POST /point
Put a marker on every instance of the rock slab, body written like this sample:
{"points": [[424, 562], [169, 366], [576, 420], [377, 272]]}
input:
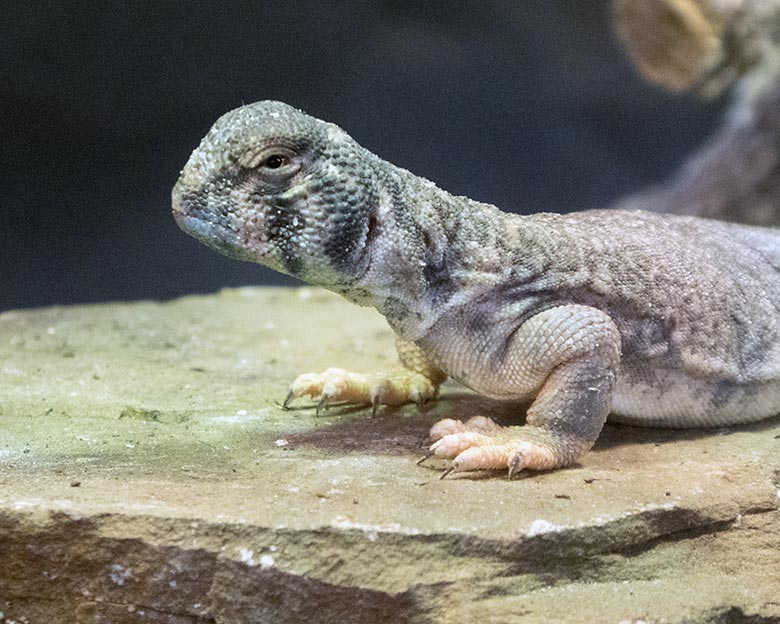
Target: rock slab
{"points": [[149, 474]]}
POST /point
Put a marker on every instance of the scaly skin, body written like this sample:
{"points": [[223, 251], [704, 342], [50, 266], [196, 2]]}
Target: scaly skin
{"points": [[660, 320]]}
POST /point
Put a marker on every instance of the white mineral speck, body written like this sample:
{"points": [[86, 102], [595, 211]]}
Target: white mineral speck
{"points": [[266, 561], [281, 442], [540, 526], [247, 556], [241, 413]]}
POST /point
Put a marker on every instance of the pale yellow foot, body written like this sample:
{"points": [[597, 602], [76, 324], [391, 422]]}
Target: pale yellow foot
{"points": [[339, 385], [481, 444]]}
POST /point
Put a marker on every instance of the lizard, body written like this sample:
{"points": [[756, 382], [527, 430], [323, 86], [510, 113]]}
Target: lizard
{"points": [[651, 319]]}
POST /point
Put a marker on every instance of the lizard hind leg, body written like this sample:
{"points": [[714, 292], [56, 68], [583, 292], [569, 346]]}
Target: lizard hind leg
{"points": [[576, 379]]}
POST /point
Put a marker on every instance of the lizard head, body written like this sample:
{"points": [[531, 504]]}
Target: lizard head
{"points": [[272, 185]]}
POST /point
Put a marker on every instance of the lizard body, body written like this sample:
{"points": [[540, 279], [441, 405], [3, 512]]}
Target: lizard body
{"points": [[657, 319]]}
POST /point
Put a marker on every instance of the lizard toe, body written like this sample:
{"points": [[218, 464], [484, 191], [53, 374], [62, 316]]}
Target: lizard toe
{"points": [[488, 457], [454, 444], [338, 385], [448, 426]]}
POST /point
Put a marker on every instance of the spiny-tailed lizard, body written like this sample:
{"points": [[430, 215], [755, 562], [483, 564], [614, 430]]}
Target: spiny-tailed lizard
{"points": [[656, 320]]}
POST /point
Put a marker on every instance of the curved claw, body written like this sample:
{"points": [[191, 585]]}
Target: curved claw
{"points": [[286, 403], [516, 465], [446, 472], [428, 455]]}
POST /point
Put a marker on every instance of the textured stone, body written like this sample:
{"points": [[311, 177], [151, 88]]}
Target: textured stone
{"points": [[149, 475]]}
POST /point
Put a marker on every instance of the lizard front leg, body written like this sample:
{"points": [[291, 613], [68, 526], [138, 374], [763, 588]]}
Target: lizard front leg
{"points": [[416, 380], [567, 358]]}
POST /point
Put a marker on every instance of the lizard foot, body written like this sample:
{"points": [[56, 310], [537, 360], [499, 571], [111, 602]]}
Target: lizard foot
{"points": [[481, 444], [336, 384]]}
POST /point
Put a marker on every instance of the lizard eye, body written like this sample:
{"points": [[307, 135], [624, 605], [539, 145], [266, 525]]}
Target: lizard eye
{"points": [[274, 161]]}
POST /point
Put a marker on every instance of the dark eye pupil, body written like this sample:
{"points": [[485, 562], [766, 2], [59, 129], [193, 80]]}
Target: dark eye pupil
{"points": [[274, 161]]}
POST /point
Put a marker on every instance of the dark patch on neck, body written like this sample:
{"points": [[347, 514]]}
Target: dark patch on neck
{"points": [[350, 222], [343, 237], [437, 272], [282, 223]]}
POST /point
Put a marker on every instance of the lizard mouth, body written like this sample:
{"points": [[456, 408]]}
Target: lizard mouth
{"points": [[210, 234], [211, 229]]}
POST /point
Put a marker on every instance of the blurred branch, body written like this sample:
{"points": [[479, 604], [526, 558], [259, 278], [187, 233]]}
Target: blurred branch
{"points": [[707, 46]]}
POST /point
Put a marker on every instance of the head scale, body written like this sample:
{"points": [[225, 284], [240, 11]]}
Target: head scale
{"points": [[273, 185]]}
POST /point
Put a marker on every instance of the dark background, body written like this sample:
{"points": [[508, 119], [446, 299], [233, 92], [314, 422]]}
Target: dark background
{"points": [[528, 104]]}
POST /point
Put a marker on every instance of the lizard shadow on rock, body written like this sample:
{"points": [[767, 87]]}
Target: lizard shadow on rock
{"points": [[618, 434], [399, 430], [404, 430]]}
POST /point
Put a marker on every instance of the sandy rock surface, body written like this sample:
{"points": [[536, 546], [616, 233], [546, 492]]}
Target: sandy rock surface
{"points": [[149, 474]]}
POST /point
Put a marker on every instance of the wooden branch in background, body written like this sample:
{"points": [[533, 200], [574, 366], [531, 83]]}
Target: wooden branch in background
{"points": [[708, 46]]}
